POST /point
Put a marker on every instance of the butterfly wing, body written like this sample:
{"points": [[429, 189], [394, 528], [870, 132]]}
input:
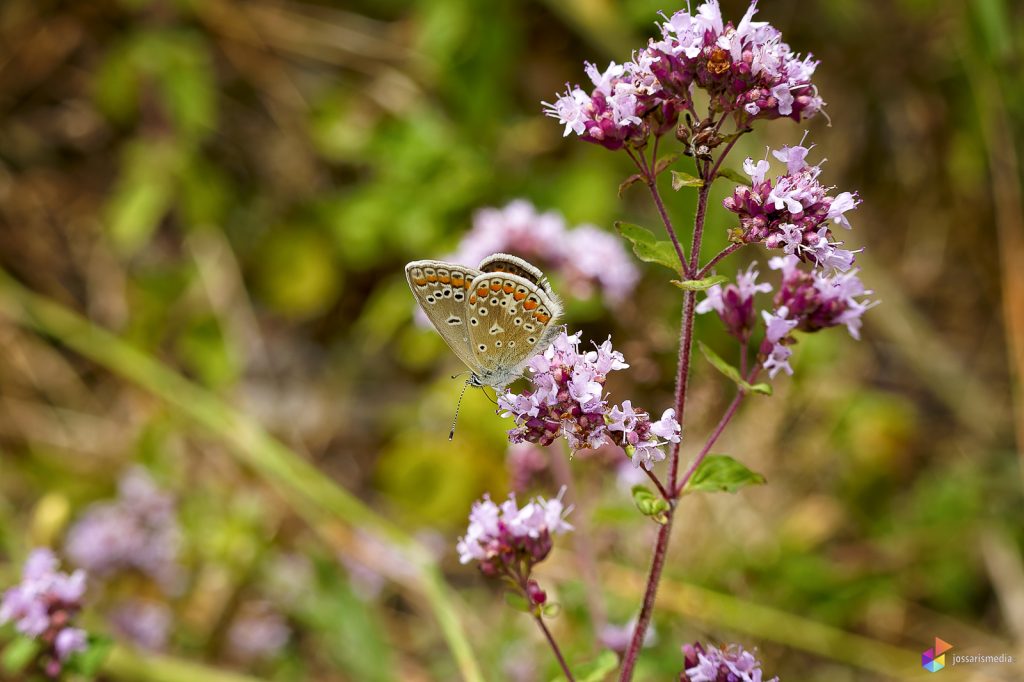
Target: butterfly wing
{"points": [[442, 290], [503, 262], [511, 318]]}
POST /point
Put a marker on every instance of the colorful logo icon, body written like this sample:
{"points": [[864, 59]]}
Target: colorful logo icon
{"points": [[934, 660]]}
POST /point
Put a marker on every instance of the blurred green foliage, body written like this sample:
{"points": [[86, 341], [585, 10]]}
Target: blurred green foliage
{"points": [[235, 187]]}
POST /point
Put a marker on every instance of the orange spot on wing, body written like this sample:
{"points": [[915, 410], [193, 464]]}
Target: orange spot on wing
{"points": [[542, 318], [495, 286], [472, 299], [481, 291], [420, 282], [469, 285], [529, 305], [508, 288], [457, 280], [519, 295], [431, 278], [446, 280]]}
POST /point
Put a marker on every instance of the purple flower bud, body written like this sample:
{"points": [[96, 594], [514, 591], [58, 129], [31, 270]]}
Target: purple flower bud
{"points": [[68, 641], [537, 596], [734, 303]]}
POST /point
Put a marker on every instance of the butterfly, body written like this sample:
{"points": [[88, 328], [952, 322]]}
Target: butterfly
{"points": [[495, 318]]}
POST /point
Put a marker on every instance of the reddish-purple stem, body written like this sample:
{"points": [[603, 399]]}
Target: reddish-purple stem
{"points": [[722, 423], [648, 171], [707, 173], [554, 648], [657, 483], [661, 545], [706, 270], [721, 157]]}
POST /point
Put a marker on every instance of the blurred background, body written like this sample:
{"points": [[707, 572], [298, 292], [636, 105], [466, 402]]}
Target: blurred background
{"points": [[232, 190]]}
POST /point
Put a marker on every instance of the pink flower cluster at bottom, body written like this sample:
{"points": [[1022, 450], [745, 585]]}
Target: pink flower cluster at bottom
{"points": [[504, 537], [43, 605], [710, 664]]}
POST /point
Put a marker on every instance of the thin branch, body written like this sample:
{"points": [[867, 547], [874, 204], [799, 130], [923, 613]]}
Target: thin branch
{"points": [[651, 180], [650, 593], [658, 484], [554, 648], [722, 423], [706, 270], [721, 157]]}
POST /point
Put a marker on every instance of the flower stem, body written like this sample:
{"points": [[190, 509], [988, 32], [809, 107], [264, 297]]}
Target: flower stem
{"points": [[722, 423], [682, 377], [651, 591], [554, 648], [649, 173], [690, 268], [658, 484], [706, 270]]}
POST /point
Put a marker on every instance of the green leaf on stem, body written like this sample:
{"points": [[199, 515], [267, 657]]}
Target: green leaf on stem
{"points": [[680, 180], [735, 176], [722, 473], [18, 654], [732, 373], [551, 609], [700, 284], [647, 248], [650, 504], [598, 669], [518, 602], [629, 182]]}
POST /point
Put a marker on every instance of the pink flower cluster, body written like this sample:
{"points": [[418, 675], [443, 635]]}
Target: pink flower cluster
{"points": [[711, 664], [138, 531], [43, 605], [506, 538], [794, 212], [809, 302], [614, 112], [584, 256], [734, 303], [568, 400], [746, 70]]}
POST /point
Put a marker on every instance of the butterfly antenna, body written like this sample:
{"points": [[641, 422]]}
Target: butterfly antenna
{"points": [[458, 406]]}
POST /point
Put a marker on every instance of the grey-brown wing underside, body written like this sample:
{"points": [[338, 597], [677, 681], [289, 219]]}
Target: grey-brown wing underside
{"points": [[442, 290], [511, 319]]}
